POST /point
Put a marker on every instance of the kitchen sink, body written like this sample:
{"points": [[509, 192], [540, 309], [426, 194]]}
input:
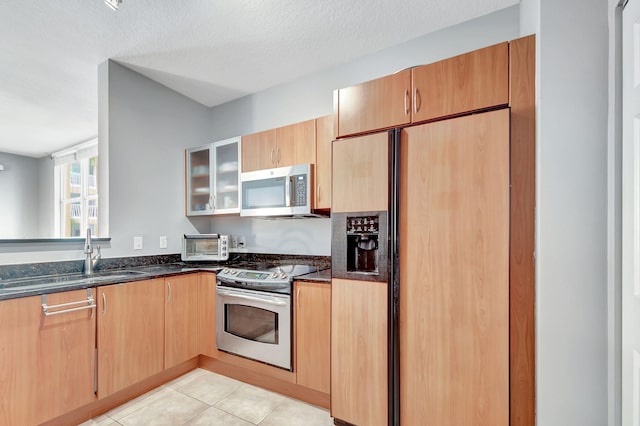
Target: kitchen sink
{"points": [[63, 280]]}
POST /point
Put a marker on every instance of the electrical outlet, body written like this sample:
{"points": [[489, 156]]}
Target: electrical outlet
{"points": [[137, 243], [163, 241]]}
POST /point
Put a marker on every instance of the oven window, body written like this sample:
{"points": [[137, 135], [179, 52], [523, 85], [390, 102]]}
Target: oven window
{"points": [[258, 325]]}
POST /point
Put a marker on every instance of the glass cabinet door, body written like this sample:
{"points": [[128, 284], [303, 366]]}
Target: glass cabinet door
{"points": [[199, 194], [227, 176], [213, 178]]}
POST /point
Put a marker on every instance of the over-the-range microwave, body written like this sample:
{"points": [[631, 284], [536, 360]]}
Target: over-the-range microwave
{"points": [[205, 247], [283, 191]]}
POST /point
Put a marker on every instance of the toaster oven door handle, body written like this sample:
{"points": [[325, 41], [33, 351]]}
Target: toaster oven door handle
{"points": [[268, 300]]}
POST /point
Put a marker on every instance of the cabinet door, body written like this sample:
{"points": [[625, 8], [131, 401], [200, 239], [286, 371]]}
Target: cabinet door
{"points": [[468, 82], [46, 362], [199, 177], [181, 319], [207, 315], [359, 385], [324, 137], [226, 156], [19, 324], [259, 151], [313, 335], [66, 354], [454, 285], [296, 144], [360, 173], [130, 334], [378, 104]]}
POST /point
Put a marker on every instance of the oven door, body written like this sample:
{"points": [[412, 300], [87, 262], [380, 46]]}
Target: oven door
{"points": [[254, 324]]}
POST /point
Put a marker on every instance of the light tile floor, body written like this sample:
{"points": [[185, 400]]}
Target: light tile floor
{"points": [[204, 398]]}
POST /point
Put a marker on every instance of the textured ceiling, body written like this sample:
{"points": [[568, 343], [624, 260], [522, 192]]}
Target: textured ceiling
{"points": [[209, 50]]}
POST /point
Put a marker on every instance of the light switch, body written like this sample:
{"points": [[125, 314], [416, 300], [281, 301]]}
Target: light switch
{"points": [[163, 241], [137, 243]]}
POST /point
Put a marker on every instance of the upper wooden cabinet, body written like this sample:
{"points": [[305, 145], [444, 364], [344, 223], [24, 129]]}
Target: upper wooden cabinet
{"points": [[469, 82], [284, 146], [259, 150], [377, 104], [296, 144], [324, 137], [181, 319], [360, 174]]}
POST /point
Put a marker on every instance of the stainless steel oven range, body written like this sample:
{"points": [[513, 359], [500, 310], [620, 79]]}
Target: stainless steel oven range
{"points": [[254, 312]]}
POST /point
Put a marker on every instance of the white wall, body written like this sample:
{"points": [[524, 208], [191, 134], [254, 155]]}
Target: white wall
{"points": [[149, 127], [571, 216], [19, 188]]}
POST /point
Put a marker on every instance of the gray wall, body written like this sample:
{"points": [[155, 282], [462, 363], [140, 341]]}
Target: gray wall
{"points": [[46, 197], [312, 96], [19, 197], [149, 127], [571, 222]]}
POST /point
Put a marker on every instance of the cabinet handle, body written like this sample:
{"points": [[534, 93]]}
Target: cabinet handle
{"points": [[169, 287], [416, 97], [277, 155], [89, 301], [104, 304], [298, 298], [271, 156], [406, 102]]}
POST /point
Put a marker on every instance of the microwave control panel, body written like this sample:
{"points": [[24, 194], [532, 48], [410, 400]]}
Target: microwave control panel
{"points": [[300, 190]]}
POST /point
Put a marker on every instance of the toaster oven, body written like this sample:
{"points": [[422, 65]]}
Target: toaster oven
{"points": [[205, 247]]}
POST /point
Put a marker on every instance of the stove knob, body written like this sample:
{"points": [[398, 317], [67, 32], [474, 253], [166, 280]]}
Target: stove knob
{"points": [[283, 275], [233, 272], [225, 271], [274, 275]]}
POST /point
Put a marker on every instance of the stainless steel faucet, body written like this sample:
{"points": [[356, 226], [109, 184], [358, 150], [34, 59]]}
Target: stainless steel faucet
{"points": [[90, 261]]}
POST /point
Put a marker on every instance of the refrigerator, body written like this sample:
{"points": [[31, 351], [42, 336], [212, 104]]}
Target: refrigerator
{"points": [[420, 274]]}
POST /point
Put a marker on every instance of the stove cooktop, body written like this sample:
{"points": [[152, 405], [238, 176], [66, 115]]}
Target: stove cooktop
{"points": [[268, 278]]}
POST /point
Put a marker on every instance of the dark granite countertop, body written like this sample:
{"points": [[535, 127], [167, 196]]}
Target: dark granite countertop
{"points": [[322, 276], [31, 280]]}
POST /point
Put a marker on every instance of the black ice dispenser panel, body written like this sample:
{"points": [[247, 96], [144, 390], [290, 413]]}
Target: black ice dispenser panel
{"points": [[362, 243], [359, 246]]}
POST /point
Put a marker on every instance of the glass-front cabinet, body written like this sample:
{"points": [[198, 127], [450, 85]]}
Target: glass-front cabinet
{"points": [[213, 178]]}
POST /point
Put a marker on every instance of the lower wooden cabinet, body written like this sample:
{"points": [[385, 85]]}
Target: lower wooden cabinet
{"points": [[130, 334], [181, 319], [46, 362], [207, 314], [359, 384], [312, 322]]}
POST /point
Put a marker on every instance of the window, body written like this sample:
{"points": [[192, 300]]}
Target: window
{"points": [[76, 177]]}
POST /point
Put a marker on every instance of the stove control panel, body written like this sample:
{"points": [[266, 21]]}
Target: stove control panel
{"points": [[253, 276]]}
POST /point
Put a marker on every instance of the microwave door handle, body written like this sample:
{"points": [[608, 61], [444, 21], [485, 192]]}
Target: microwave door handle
{"points": [[270, 301], [287, 190]]}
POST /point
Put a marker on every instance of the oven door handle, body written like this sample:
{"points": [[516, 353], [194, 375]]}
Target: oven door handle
{"points": [[268, 300]]}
